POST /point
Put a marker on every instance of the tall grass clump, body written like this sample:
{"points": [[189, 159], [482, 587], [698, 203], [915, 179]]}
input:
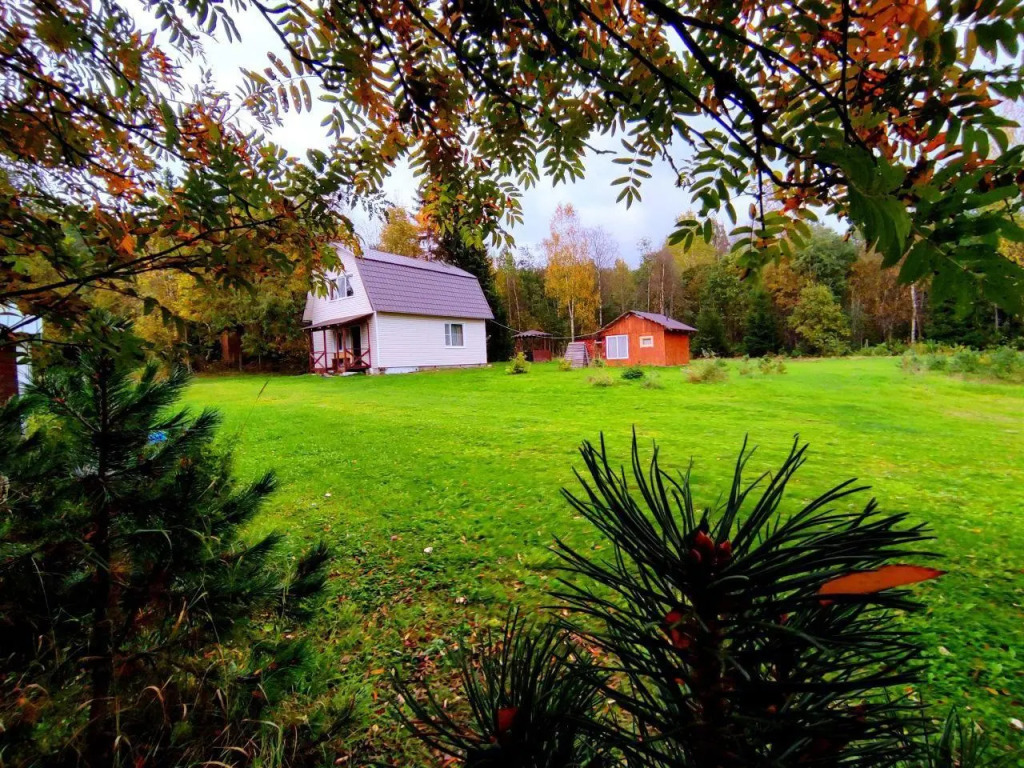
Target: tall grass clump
{"points": [[770, 365], [708, 370], [653, 381]]}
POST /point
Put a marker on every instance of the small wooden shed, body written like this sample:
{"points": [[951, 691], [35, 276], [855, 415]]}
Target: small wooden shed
{"points": [[538, 346], [644, 338]]}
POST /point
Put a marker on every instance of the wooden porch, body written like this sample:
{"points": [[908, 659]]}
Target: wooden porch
{"points": [[349, 354]]}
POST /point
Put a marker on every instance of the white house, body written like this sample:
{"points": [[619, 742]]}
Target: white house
{"points": [[15, 330], [393, 314]]}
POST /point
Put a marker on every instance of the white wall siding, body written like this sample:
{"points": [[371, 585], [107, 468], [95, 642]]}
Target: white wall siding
{"points": [[321, 309], [414, 341]]}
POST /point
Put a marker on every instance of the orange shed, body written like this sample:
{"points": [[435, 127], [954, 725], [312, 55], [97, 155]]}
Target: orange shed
{"points": [[645, 338]]}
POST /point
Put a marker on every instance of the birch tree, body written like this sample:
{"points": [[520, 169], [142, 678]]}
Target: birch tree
{"points": [[570, 277]]}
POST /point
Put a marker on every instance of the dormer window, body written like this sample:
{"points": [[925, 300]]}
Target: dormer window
{"points": [[340, 287]]}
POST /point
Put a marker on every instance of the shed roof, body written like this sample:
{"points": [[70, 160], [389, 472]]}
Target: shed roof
{"points": [[665, 321], [533, 334], [409, 286]]}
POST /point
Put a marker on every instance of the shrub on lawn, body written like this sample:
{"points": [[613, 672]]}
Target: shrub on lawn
{"points": [[745, 367], [601, 380], [632, 373], [890, 348], [518, 365], [564, 364], [707, 371], [1001, 363], [1005, 363], [736, 635], [964, 360]]}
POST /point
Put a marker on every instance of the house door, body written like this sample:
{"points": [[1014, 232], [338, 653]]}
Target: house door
{"points": [[355, 337]]}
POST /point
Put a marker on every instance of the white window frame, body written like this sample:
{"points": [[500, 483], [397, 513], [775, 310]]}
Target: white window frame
{"points": [[646, 342], [335, 291], [449, 336], [618, 342]]}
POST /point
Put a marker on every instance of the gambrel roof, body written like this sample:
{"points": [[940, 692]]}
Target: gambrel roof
{"points": [[407, 286]]}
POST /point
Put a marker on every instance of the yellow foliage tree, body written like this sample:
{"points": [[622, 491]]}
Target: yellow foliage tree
{"points": [[570, 277], [401, 234]]}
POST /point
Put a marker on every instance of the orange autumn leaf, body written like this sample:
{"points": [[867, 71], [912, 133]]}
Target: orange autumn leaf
{"points": [[935, 143], [119, 185], [886, 577], [127, 244]]}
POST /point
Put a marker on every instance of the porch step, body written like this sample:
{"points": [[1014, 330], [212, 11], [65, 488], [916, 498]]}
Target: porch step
{"points": [[576, 354]]}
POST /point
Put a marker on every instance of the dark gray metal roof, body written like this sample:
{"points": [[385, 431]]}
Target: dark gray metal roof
{"points": [[663, 320], [409, 286]]}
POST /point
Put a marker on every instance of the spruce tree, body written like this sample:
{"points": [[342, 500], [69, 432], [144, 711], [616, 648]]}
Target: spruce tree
{"points": [[711, 336], [762, 329], [127, 594]]}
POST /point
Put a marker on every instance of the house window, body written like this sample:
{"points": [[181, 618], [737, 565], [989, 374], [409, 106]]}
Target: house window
{"points": [[340, 287], [646, 341], [453, 335], [616, 347]]}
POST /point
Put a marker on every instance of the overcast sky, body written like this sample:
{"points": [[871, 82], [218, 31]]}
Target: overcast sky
{"points": [[593, 198]]}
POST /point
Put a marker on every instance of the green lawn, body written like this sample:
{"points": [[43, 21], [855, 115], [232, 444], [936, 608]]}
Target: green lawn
{"points": [[468, 464]]}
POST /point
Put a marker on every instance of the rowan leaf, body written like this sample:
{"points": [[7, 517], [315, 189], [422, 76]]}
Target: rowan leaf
{"points": [[878, 580]]}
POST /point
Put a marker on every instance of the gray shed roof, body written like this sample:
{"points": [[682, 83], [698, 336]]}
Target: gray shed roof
{"points": [[663, 320], [408, 286]]}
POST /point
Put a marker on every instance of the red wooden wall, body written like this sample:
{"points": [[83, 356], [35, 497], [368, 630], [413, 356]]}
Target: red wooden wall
{"points": [[8, 372], [670, 347]]}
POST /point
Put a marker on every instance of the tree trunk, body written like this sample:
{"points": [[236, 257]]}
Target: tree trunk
{"points": [[100, 736], [913, 314], [100, 733], [662, 310], [572, 323]]}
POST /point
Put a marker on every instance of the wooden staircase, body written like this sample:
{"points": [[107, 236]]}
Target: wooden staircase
{"points": [[576, 354]]}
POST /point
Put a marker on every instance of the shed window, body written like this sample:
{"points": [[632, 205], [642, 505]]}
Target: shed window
{"points": [[341, 287], [616, 347], [453, 335], [646, 341]]}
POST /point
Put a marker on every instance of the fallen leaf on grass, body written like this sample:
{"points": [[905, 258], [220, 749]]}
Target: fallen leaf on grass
{"points": [[886, 577]]}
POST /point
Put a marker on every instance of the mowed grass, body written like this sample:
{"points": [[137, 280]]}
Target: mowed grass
{"points": [[439, 493]]}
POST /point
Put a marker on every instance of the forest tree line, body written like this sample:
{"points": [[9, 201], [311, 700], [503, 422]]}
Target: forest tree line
{"points": [[831, 297]]}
